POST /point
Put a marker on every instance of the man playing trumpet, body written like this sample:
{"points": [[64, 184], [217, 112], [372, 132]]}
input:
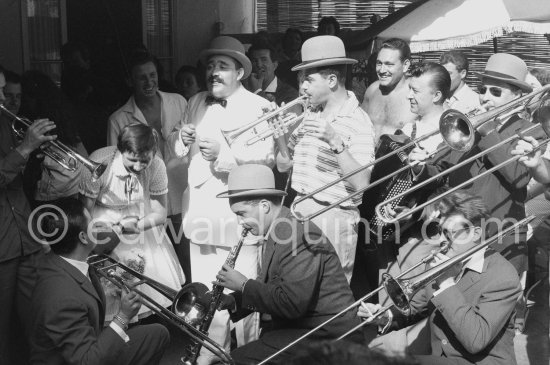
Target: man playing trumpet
{"points": [[335, 138], [470, 309]]}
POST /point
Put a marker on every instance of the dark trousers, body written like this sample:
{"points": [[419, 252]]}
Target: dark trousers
{"points": [[146, 346], [174, 230], [17, 279]]}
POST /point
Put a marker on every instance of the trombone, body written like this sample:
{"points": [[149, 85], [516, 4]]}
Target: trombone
{"points": [[443, 249], [401, 291], [57, 151], [288, 119], [121, 276], [458, 132]]}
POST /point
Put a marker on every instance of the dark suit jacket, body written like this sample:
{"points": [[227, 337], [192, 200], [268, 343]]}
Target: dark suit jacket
{"points": [[301, 284], [15, 239], [283, 94], [471, 321], [68, 313]]}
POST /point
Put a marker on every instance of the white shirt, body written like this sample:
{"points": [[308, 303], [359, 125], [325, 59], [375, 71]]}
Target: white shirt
{"points": [[272, 87], [423, 128], [464, 99], [474, 263], [173, 111], [207, 219], [83, 266]]}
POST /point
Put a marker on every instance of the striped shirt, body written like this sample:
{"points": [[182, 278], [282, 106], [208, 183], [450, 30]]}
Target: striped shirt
{"points": [[315, 165]]}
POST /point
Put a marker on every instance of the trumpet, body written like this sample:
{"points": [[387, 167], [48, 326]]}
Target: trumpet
{"points": [[401, 291], [459, 133], [57, 151], [287, 119], [120, 275]]}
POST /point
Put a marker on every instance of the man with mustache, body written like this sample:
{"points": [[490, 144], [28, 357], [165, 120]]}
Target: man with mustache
{"points": [[385, 100], [161, 111], [208, 222]]}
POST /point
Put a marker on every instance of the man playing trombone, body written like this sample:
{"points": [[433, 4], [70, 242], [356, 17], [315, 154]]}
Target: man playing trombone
{"points": [[68, 302], [335, 138], [470, 309], [504, 191]]}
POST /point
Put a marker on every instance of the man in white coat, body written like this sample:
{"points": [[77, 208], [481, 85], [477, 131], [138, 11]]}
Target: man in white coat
{"points": [[208, 222]]}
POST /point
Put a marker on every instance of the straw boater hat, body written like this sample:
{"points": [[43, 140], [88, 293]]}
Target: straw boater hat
{"points": [[251, 180], [323, 50], [228, 46], [508, 68]]}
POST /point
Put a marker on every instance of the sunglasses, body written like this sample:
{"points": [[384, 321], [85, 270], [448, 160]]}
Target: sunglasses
{"points": [[451, 235], [495, 91]]}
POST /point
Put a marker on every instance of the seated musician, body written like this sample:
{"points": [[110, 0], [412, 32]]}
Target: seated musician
{"points": [[301, 283], [68, 303], [470, 307]]}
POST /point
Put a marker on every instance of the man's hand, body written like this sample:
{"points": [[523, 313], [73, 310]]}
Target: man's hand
{"points": [[230, 278], [526, 146], [256, 81], [367, 312], [320, 128], [418, 157], [188, 134], [210, 148], [447, 278], [36, 136], [130, 302]]}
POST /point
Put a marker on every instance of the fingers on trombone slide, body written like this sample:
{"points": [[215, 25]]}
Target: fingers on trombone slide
{"points": [[369, 312]]}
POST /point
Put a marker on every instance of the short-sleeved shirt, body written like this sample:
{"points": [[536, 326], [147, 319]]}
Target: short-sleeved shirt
{"points": [[110, 190], [464, 100], [315, 165]]}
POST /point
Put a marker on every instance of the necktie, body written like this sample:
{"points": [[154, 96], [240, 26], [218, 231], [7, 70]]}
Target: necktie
{"points": [[210, 100]]}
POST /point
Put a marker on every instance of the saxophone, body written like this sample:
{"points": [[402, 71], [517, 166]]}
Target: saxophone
{"points": [[209, 309]]}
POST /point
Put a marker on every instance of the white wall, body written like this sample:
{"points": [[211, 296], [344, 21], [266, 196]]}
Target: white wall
{"points": [[197, 22]]}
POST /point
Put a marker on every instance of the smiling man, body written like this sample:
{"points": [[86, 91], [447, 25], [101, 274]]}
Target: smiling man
{"points": [[208, 222], [301, 283], [504, 191], [162, 112], [384, 100]]}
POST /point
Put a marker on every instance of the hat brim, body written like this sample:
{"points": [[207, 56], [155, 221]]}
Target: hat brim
{"points": [[243, 60], [521, 84], [324, 62], [255, 192]]}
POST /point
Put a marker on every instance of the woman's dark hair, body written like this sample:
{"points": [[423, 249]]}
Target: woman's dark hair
{"points": [[42, 98], [64, 223], [138, 139], [200, 78], [325, 21]]}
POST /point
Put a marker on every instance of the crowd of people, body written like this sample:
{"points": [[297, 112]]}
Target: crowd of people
{"points": [[182, 182]]}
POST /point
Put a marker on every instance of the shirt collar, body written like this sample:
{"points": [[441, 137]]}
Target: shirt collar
{"points": [[272, 87], [81, 266], [476, 261], [118, 166], [233, 97]]}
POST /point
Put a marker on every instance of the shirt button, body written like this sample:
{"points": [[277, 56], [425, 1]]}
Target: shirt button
{"points": [[444, 342]]}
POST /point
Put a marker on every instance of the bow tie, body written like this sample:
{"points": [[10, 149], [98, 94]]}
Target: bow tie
{"points": [[210, 100]]}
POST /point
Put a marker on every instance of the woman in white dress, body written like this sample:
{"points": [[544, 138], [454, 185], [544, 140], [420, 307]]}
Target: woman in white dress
{"points": [[131, 196]]}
